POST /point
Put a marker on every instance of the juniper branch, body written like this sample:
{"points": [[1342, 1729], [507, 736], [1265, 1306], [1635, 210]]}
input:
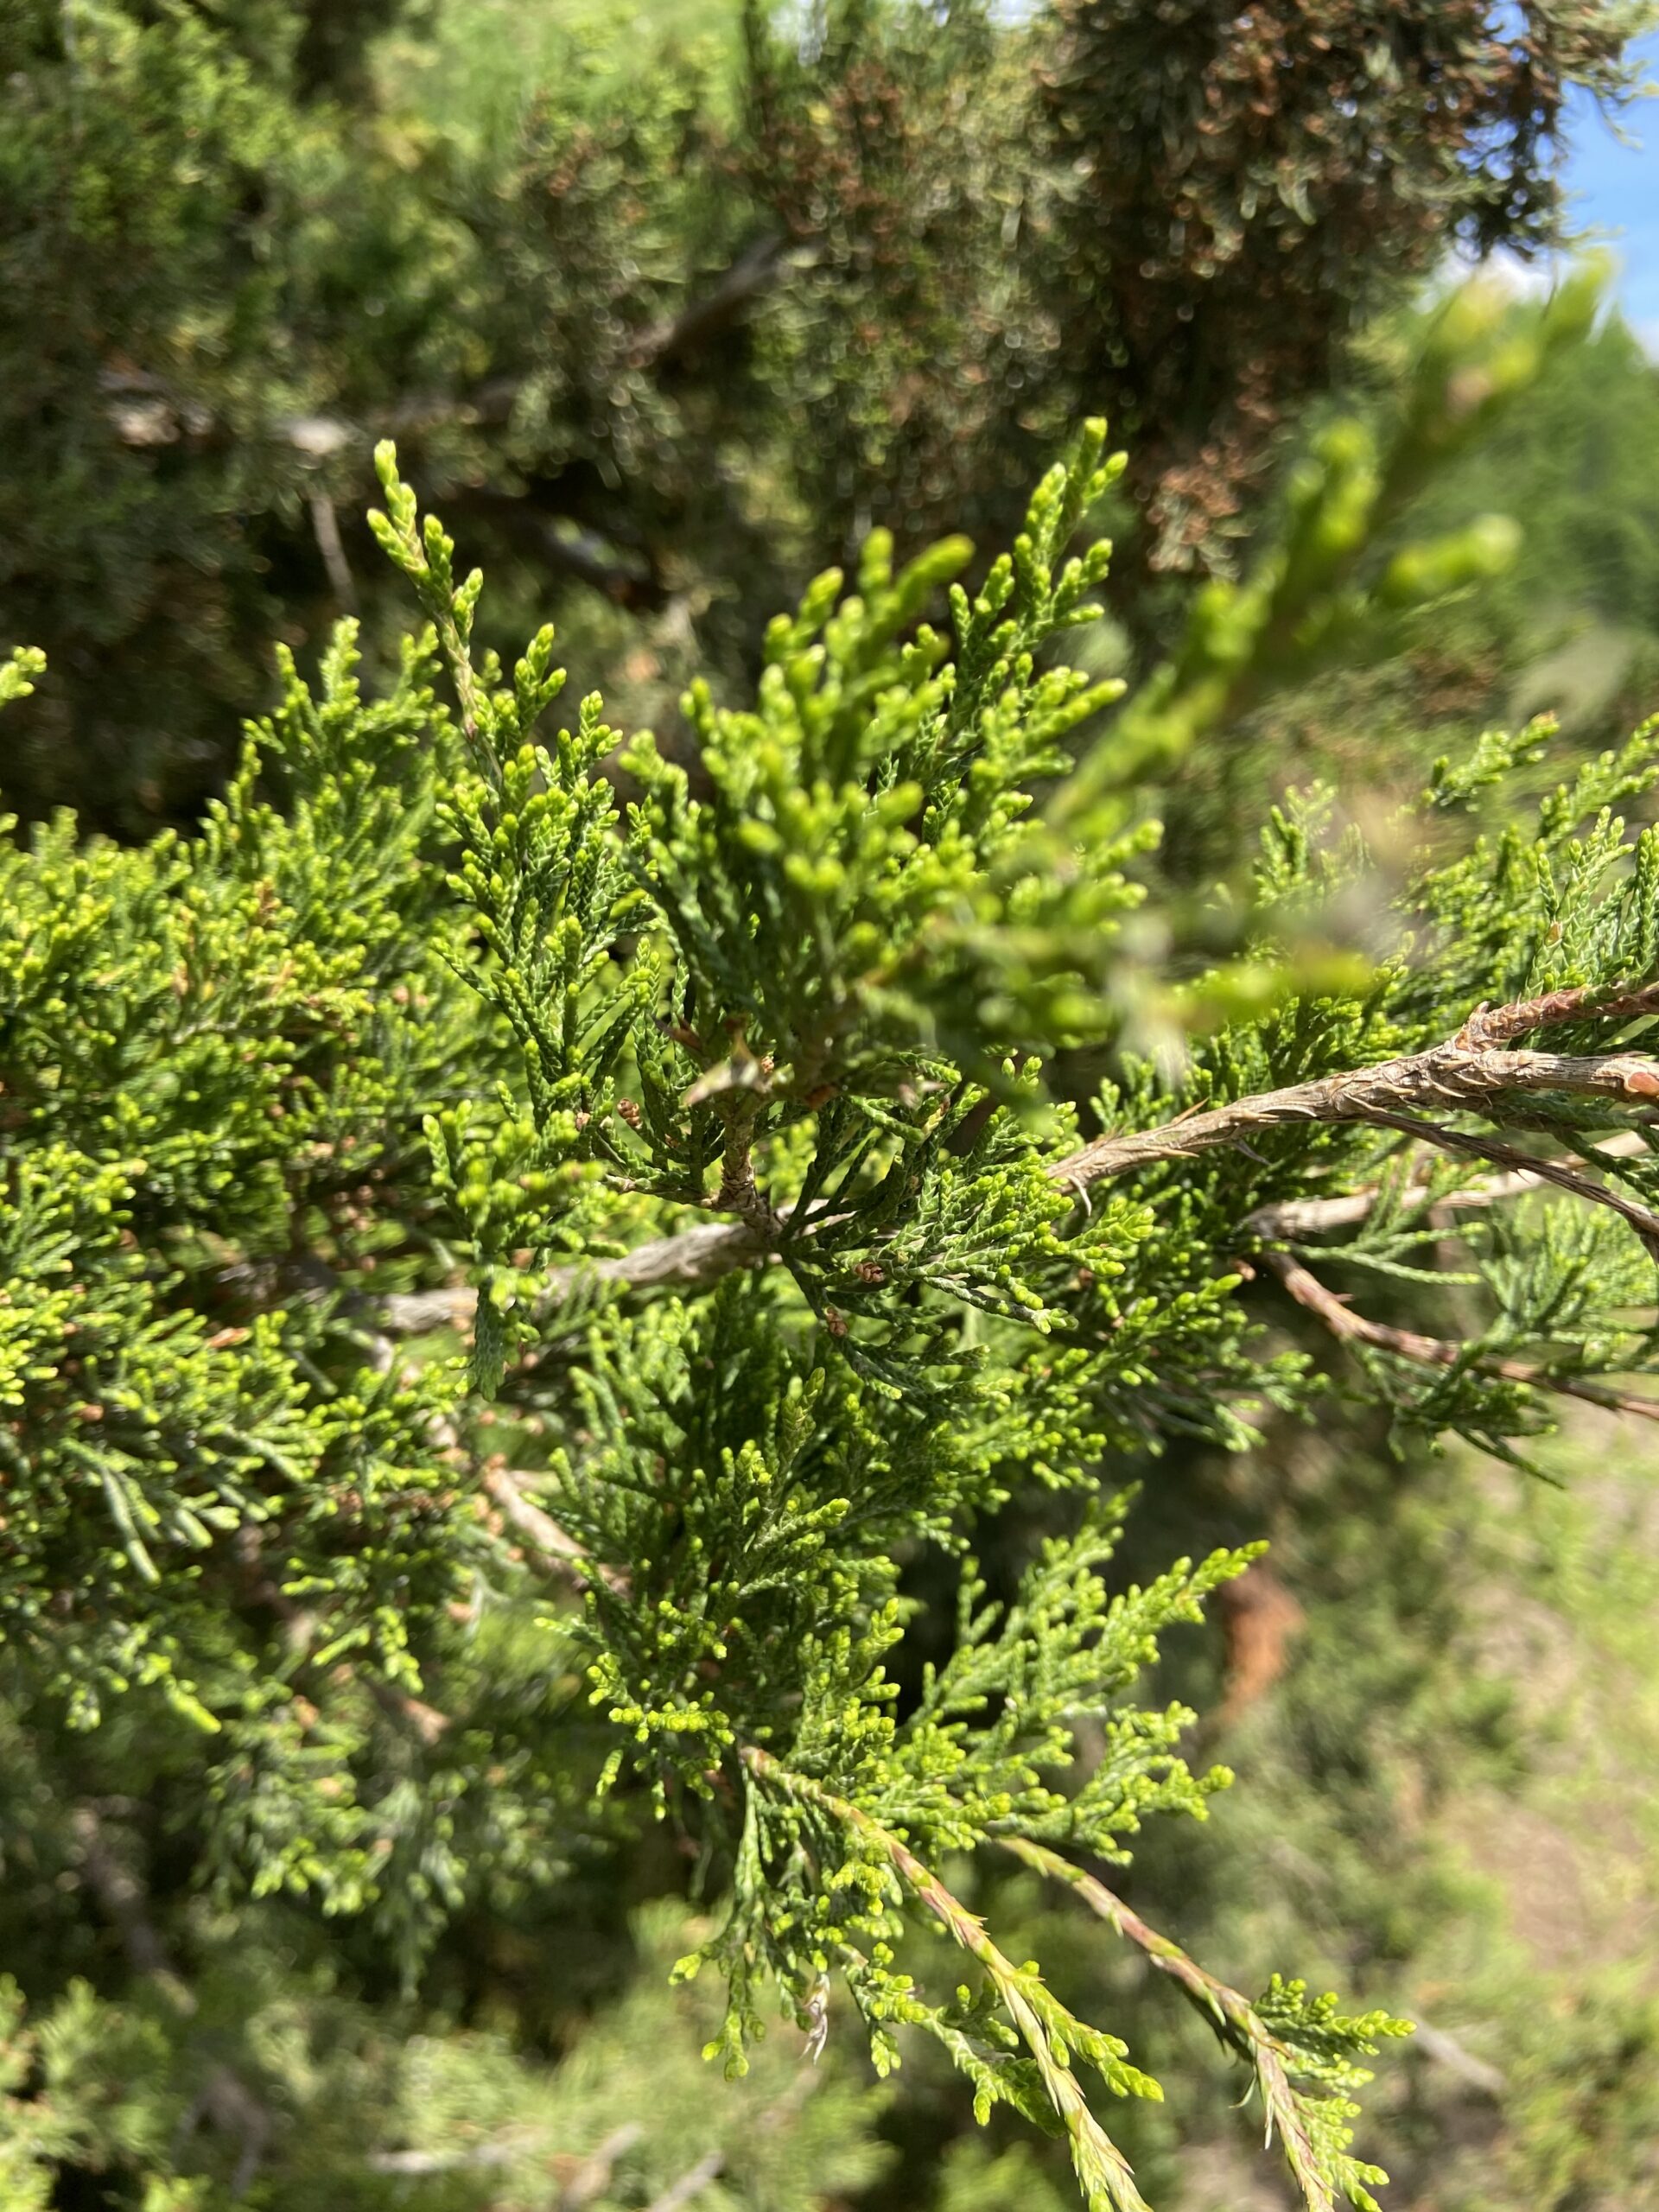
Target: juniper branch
{"points": [[591, 2177], [1457, 1077], [1465, 1075], [417, 2164], [1641, 1218], [1296, 1219], [1502, 1025], [691, 2184], [695, 1260], [1292, 1219]]}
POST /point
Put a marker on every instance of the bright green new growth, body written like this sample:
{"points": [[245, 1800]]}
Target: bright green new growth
{"points": [[815, 918], [740, 1108]]}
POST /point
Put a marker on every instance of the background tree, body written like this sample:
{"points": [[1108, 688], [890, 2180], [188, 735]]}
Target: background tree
{"points": [[1240, 189], [668, 331]]}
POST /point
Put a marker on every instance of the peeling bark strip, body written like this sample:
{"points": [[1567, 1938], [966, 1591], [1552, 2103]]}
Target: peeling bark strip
{"points": [[1465, 1075], [1453, 1077], [1473, 1072]]}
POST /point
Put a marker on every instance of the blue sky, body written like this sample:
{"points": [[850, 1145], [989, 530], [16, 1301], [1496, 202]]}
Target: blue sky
{"points": [[1617, 189]]}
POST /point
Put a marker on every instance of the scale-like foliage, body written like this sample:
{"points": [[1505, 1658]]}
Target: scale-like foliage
{"points": [[786, 1265]]}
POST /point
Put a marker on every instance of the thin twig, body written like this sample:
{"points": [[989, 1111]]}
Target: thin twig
{"points": [[325, 524], [416, 2162], [695, 1260], [593, 2176], [556, 1551], [1232, 2016], [1093, 2151], [691, 2184], [1437, 1351], [590, 2175], [1292, 1219], [755, 271], [1641, 1218], [1445, 2049]]}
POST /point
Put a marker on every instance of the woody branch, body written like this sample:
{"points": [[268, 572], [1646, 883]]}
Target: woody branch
{"points": [[1477, 1072]]}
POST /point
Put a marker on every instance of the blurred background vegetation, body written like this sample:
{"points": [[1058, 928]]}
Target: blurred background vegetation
{"points": [[668, 303]]}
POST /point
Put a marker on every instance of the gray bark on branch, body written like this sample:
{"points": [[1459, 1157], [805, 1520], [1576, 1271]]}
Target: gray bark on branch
{"points": [[1455, 1077], [695, 1260]]}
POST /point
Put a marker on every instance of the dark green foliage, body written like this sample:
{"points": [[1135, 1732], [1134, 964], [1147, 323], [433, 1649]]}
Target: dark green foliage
{"points": [[1230, 218]]}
